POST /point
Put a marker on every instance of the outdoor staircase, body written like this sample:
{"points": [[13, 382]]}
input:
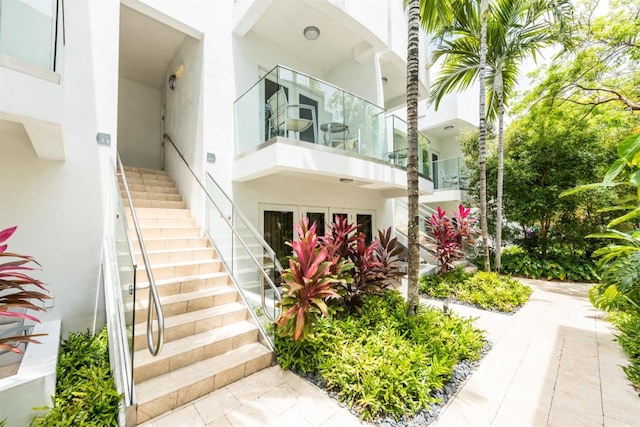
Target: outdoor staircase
{"points": [[210, 338]]}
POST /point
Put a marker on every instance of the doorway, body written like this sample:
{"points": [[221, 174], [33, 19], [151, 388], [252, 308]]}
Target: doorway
{"points": [[142, 85]]}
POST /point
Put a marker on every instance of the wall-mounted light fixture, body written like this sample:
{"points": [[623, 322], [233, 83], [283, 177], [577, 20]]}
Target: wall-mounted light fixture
{"points": [[311, 32], [384, 80], [346, 180], [448, 127], [176, 75]]}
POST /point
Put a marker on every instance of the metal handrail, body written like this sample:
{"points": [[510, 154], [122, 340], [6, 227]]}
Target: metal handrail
{"points": [[235, 232], [154, 348]]}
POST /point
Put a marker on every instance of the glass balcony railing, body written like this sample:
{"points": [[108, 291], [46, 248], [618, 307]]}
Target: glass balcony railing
{"points": [[28, 30], [397, 133], [245, 254], [289, 104], [450, 174]]}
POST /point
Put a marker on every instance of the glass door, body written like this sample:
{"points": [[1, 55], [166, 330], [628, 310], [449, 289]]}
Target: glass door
{"points": [[277, 229], [318, 215]]}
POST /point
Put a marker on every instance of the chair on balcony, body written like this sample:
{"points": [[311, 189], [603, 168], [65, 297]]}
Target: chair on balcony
{"points": [[449, 181], [286, 118]]}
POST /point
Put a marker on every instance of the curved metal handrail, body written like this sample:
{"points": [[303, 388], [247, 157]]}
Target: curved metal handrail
{"points": [[154, 299], [265, 275]]}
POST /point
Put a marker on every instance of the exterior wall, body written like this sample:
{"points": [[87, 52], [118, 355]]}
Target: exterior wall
{"points": [[139, 124], [59, 205], [279, 190]]}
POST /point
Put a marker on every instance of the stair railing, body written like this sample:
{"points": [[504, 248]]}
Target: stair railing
{"points": [[265, 276], [154, 299]]}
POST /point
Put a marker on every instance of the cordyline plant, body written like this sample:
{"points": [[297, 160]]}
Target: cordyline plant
{"points": [[15, 292], [308, 283], [451, 236], [375, 266]]}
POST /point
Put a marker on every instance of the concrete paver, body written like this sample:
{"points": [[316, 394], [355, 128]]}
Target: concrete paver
{"points": [[553, 363]]}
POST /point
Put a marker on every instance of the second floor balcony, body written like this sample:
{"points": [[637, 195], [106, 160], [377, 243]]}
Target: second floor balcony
{"points": [[291, 122]]}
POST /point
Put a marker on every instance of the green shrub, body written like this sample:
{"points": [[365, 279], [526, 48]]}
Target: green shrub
{"points": [[85, 392], [485, 290], [628, 323], [383, 362], [558, 264]]}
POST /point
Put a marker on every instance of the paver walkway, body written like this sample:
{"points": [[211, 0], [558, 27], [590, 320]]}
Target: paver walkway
{"points": [[553, 363]]}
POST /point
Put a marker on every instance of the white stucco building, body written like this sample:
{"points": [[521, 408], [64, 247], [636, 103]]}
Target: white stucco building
{"points": [[81, 81]]}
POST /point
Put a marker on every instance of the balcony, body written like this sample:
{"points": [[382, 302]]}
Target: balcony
{"points": [[451, 180], [289, 122]]}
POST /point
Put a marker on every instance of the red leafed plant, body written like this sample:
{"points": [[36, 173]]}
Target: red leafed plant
{"points": [[374, 267], [308, 283], [15, 294], [451, 235]]}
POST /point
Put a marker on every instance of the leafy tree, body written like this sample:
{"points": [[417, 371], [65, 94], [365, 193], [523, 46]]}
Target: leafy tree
{"points": [[603, 65], [549, 149]]}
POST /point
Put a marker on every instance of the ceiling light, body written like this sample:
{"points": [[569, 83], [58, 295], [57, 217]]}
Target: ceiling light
{"points": [[449, 127], [311, 32], [346, 180]]}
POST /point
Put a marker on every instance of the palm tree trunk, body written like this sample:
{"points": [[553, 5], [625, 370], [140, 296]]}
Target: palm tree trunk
{"points": [[413, 65], [484, 10], [500, 182]]}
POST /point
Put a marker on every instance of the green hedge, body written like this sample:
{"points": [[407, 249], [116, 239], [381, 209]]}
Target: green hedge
{"points": [[85, 392], [485, 290], [556, 265], [384, 363]]}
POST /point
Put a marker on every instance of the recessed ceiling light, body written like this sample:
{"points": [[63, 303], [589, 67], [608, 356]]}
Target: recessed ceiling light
{"points": [[311, 32], [346, 180], [449, 127]]}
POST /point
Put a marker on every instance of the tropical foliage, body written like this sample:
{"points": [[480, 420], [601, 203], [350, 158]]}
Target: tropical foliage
{"points": [[16, 291], [514, 30], [619, 261], [483, 289], [557, 265], [334, 272], [86, 394], [308, 283], [450, 235], [383, 362], [603, 65]]}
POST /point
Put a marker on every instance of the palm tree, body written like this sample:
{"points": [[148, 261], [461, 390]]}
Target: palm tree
{"points": [[515, 30], [413, 64], [438, 17]]}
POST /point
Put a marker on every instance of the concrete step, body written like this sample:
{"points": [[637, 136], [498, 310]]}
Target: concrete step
{"points": [[172, 243], [159, 212], [185, 351], [192, 323], [150, 195], [152, 188], [181, 303], [175, 222], [135, 169], [179, 269], [167, 204], [166, 232], [166, 392], [177, 285], [163, 256]]}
